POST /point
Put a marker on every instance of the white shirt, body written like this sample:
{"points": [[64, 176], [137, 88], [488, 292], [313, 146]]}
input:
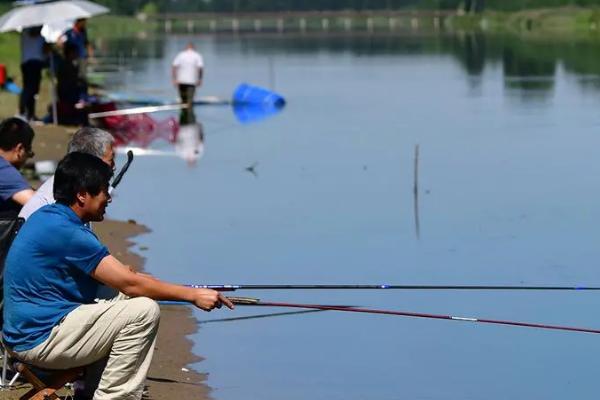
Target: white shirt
{"points": [[187, 64], [43, 196], [32, 47]]}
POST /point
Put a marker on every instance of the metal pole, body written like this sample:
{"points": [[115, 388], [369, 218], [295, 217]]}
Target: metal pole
{"points": [[53, 90]]}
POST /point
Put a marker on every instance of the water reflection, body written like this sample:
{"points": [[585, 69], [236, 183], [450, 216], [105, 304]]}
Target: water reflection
{"points": [[528, 75], [116, 59], [500, 198], [248, 113], [130, 48], [416, 194], [186, 137], [470, 49], [529, 64], [189, 142]]}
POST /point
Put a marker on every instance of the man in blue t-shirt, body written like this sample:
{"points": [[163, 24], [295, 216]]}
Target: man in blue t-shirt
{"points": [[77, 35], [53, 270], [16, 137]]}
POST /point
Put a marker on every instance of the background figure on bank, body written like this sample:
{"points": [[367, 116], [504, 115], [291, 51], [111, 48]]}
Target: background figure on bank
{"points": [[187, 71], [16, 138], [33, 60], [71, 87], [78, 38]]}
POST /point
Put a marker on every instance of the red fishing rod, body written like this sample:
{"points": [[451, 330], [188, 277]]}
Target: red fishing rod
{"points": [[248, 301]]}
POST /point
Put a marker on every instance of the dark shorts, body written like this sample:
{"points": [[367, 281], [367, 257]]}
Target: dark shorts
{"points": [[186, 93]]}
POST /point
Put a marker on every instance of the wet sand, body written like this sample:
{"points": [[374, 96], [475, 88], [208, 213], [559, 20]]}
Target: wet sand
{"points": [[170, 375]]}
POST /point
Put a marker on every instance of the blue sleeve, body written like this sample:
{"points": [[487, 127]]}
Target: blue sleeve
{"points": [[11, 182], [85, 251]]}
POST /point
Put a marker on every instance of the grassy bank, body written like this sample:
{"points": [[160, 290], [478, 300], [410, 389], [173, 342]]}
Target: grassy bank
{"points": [[100, 27], [10, 54]]}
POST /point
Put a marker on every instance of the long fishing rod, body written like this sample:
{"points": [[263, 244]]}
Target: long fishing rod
{"points": [[246, 301], [231, 288]]}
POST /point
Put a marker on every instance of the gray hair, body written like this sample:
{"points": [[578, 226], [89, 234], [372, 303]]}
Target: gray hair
{"points": [[92, 141]]}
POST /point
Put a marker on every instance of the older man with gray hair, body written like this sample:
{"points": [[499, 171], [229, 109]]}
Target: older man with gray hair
{"points": [[94, 141]]}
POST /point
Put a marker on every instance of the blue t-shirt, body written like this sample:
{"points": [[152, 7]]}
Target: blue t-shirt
{"points": [[79, 40], [11, 182], [47, 274]]}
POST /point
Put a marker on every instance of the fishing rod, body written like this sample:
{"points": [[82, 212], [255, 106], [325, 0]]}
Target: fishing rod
{"points": [[248, 301], [137, 110], [243, 301], [231, 288]]}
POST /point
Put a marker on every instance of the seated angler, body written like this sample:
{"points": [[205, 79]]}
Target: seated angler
{"points": [[16, 137], [94, 141], [53, 270]]}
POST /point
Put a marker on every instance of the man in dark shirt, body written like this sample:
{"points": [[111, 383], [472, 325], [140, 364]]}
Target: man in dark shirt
{"points": [[16, 137], [78, 38], [77, 35]]}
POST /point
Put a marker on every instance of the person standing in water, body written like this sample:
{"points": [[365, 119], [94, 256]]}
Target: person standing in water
{"points": [[187, 71]]}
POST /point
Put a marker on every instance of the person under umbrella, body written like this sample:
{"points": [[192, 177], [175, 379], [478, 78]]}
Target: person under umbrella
{"points": [[33, 59]]}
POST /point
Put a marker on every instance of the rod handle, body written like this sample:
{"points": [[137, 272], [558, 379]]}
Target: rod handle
{"points": [[244, 300]]}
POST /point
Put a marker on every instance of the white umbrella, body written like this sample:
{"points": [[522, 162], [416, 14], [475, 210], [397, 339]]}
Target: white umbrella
{"points": [[48, 12], [54, 30]]}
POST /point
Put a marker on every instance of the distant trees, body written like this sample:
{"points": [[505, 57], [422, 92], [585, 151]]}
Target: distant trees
{"points": [[469, 6], [132, 6]]}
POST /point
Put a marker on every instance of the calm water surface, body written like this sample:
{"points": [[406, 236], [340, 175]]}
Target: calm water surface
{"points": [[508, 133]]}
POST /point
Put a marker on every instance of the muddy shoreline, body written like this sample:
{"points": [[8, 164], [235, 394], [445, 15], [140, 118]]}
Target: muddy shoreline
{"points": [[170, 375]]}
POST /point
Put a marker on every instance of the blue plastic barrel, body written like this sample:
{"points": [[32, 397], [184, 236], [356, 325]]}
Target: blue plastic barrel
{"points": [[254, 95]]}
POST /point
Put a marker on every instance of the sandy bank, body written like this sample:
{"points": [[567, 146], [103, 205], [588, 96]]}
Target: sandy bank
{"points": [[166, 379]]}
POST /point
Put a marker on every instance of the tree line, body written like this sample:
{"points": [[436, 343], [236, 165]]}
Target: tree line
{"points": [[132, 7]]}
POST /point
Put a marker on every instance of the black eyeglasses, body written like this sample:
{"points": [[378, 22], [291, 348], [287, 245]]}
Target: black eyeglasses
{"points": [[30, 153]]}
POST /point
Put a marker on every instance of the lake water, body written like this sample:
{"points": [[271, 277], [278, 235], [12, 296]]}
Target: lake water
{"points": [[508, 131]]}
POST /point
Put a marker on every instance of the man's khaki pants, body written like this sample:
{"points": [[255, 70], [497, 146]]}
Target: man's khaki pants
{"points": [[118, 333]]}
